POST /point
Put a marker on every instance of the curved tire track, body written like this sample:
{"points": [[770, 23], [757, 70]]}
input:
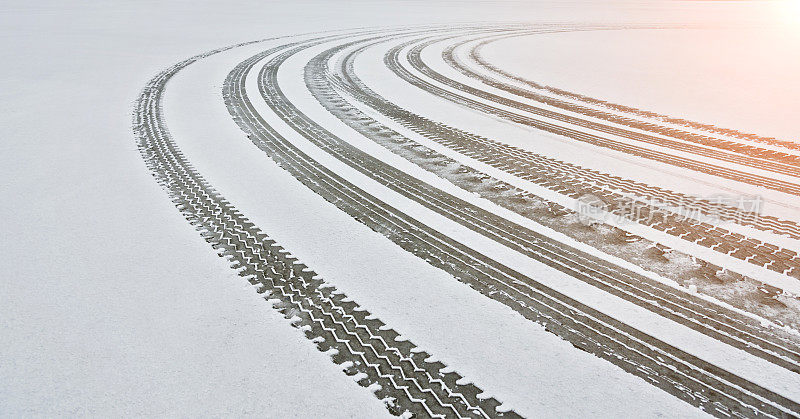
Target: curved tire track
{"points": [[593, 139], [576, 181], [476, 55], [692, 311], [361, 343], [678, 372]]}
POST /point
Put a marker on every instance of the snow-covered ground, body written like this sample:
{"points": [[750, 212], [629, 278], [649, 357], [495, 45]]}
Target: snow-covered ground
{"points": [[111, 304], [443, 316], [742, 77]]}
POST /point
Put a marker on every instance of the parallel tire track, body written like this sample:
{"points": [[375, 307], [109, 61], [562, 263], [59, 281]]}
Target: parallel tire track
{"points": [[576, 181], [692, 311], [680, 373], [394, 368], [597, 140], [475, 54], [781, 162], [764, 222]]}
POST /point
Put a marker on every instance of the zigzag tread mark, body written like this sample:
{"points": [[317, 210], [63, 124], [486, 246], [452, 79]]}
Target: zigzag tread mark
{"points": [[386, 364]]}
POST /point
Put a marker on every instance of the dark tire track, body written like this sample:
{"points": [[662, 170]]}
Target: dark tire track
{"points": [[475, 54], [686, 376], [573, 134], [576, 181], [692, 311], [355, 339]]}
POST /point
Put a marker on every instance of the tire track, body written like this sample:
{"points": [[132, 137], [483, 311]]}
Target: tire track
{"points": [[573, 134], [694, 312], [680, 373], [575, 181], [475, 54], [766, 223], [392, 367], [737, 147]]}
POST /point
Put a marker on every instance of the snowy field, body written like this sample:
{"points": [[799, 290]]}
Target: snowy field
{"points": [[425, 179], [666, 71]]}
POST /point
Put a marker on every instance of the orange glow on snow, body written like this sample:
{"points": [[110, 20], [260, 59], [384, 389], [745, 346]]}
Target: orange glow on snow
{"points": [[788, 12]]}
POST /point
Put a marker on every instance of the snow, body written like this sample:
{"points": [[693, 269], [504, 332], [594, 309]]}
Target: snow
{"points": [[432, 56], [112, 305], [444, 317], [754, 87], [381, 79], [369, 67], [776, 378], [462, 51], [110, 302]]}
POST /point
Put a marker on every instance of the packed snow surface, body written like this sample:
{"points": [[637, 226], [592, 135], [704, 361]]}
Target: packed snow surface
{"points": [[734, 77], [111, 304]]}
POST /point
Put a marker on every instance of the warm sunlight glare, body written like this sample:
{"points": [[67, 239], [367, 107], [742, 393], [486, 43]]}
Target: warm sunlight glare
{"points": [[788, 12]]}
